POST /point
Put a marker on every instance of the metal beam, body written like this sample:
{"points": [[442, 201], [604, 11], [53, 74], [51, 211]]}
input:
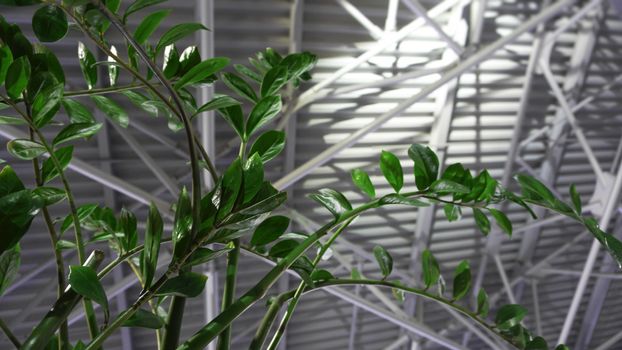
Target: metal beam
{"points": [[462, 67], [373, 29]]}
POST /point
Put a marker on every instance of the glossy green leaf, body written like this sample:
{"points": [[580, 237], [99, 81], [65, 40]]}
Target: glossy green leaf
{"points": [[144, 319], [202, 71], [384, 259], [113, 67], [362, 181], [49, 170], [535, 190], [128, 225], [253, 177], [268, 145], [16, 208], [230, 188], [46, 104], [50, 23], [426, 165], [282, 248], [297, 64], [218, 102], [332, 200], [576, 199], [462, 280], [178, 32], [9, 265], [87, 65], [240, 86], [392, 170], [264, 111], [265, 205], [148, 25], [182, 225], [247, 72], [76, 131], [431, 269], [139, 5], [49, 195], [452, 212], [482, 221], [562, 347], [235, 117], [83, 212], [509, 316], [84, 281], [187, 284], [482, 303], [537, 343], [171, 63], [6, 58], [502, 221], [483, 189], [25, 149], [112, 110], [17, 77], [395, 198], [153, 236], [189, 58], [321, 276], [274, 80], [444, 186], [270, 230], [203, 255], [77, 112], [12, 121]]}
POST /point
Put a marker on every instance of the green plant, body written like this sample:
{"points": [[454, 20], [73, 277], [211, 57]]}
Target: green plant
{"points": [[235, 214]]}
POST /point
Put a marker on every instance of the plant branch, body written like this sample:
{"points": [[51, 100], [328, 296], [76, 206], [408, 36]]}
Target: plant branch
{"points": [[9, 334], [229, 291]]}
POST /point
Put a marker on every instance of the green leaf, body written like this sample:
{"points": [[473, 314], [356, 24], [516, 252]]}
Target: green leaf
{"points": [[482, 303], [83, 212], [6, 58], [113, 67], [384, 259], [112, 110], [182, 225], [398, 294], [144, 319], [282, 248], [139, 5], [17, 77], [562, 347], [178, 32], [362, 181], [265, 205], [537, 343], [502, 221], [274, 80], [462, 280], [84, 281], [321, 276], [240, 86], [202, 71], [482, 221], [11, 121], [153, 236], [484, 187], [392, 170], [218, 102], [431, 270], [509, 316], [444, 186], [264, 111], [268, 145], [127, 224], [49, 195], [50, 23], [270, 230], [203, 255], [49, 170], [298, 64], [87, 65], [230, 188], [535, 190], [332, 200], [187, 284], [235, 117], [76, 131], [253, 177], [46, 104], [148, 25], [247, 72], [77, 112], [426, 165], [64, 245], [576, 199], [25, 149], [395, 198], [356, 274], [452, 212], [9, 265], [171, 61]]}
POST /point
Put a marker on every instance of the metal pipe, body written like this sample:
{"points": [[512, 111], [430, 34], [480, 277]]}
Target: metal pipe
{"points": [[416, 7], [536, 305], [504, 279], [464, 66], [373, 29]]}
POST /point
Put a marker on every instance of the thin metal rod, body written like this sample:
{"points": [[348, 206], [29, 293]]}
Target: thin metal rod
{"points": [[416, 7], [536, 305], [373, 29], [610, 342], [391, 22], [552, 271], [464, 66], [504, 279]]}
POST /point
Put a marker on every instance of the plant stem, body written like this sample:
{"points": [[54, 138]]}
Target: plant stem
{"points": [[266, 322], [293, 303], [9, 334], [173, 323], [229, 291]]}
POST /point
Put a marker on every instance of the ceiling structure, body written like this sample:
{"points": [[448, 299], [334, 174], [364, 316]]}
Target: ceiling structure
{"points": [[510, 86]]}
